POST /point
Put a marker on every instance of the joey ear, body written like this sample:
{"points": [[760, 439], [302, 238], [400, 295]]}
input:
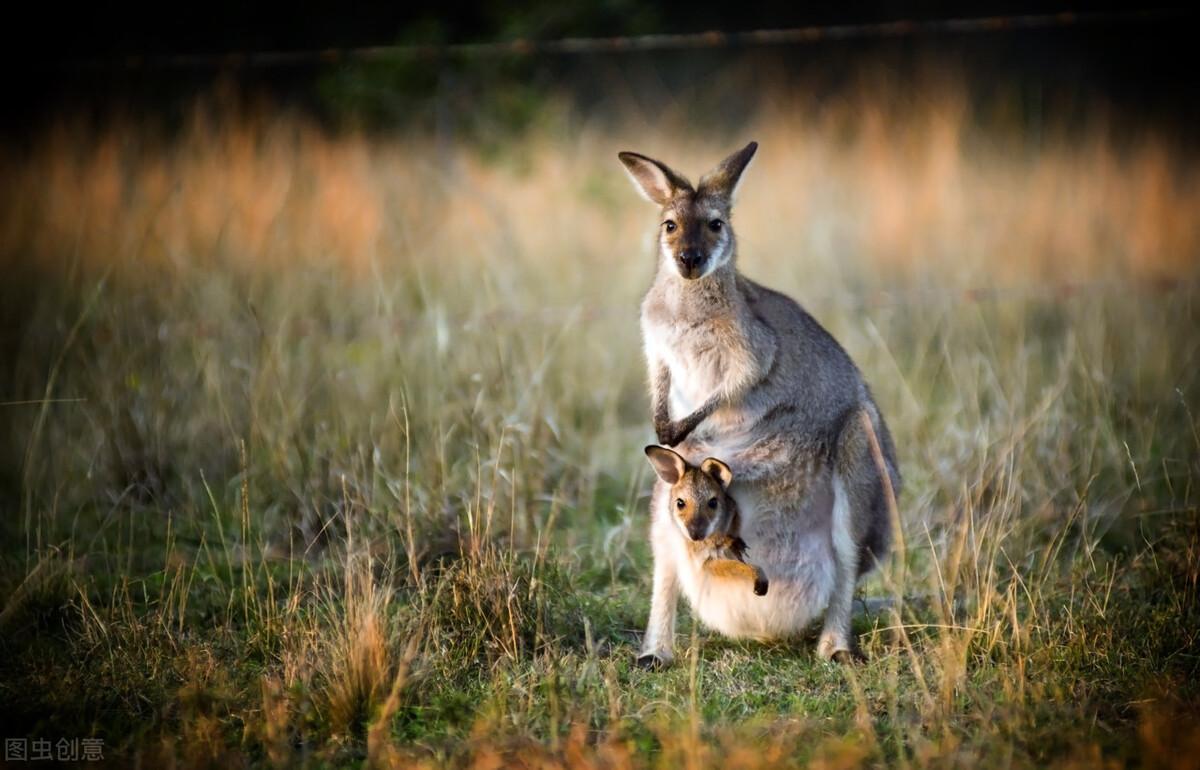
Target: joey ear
{"points": [[656, 181], [719, 471], [667, 464], [723, 180]]}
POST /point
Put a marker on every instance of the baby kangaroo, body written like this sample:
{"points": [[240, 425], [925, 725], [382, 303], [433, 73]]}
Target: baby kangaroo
{"points": [[707, 515]]}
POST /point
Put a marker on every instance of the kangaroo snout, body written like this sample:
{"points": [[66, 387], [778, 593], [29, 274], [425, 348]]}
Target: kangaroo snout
{"points": [[698, 531], [690, 262]]}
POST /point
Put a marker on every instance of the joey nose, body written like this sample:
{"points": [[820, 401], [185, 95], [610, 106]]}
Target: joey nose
{"points": [[690, 258], [697, 531]]}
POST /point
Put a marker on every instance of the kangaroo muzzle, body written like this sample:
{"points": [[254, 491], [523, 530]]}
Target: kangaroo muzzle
{"points": [[690, 263], [698, 531]]}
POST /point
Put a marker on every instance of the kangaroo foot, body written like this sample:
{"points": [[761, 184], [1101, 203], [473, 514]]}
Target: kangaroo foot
{"points": [[849, 657], [839, 648], [654, 661]]}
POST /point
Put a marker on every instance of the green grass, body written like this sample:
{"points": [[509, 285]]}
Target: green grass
{"points": [[313, 509]]}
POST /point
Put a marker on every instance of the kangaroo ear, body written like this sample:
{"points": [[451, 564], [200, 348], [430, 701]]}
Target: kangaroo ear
{"points": [[667, 464], [723, 180], [719, 471], [655, 180]]}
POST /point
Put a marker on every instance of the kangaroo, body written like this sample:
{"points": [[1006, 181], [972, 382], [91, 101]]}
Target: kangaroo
{"points": [[741, 372], [708, 516]]}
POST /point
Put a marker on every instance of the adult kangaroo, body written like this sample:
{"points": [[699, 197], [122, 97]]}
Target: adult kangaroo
{"points": [[742, 373]]}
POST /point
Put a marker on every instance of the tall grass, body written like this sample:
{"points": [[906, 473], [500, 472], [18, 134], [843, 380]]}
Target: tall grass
{"points": [[333, 455]]}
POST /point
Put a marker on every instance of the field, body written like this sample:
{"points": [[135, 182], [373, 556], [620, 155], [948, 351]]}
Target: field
{"points": [[324, 448]]}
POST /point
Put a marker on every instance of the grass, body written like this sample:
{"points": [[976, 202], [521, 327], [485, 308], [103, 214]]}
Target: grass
{"points": [[333, 455]]}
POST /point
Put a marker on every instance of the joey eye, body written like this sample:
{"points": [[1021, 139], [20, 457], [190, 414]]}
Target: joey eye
{"points": [[670, 225], [712, 503], [715, 225], [680, 504]]}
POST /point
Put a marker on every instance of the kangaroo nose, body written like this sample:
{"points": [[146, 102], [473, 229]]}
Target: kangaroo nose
{"points": [[690, 258], [696, 532]]}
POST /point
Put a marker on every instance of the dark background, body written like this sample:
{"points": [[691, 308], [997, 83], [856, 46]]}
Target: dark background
{"points": [[76, 60]]}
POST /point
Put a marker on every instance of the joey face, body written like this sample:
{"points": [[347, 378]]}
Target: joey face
{"points": [[699, 504], [694, 234], [699, 501]]}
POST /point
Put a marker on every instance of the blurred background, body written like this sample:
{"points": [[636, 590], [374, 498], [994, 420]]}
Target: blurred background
{"points": [[202, 204], [907, 133], [457, 160], [289, 277], [904, 136]]}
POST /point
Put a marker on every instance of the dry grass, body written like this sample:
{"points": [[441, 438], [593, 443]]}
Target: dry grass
{"points": [[352, 476]]}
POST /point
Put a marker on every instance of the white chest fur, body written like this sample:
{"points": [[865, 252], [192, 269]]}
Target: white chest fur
{"points": [[697, 371]]}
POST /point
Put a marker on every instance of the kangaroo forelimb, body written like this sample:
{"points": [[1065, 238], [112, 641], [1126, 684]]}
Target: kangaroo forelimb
{"points": [[662, 400], [679, 430]]}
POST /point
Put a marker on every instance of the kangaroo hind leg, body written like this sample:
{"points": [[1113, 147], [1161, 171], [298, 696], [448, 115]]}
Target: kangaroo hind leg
{"points": [[857, 495], [659, 641]]}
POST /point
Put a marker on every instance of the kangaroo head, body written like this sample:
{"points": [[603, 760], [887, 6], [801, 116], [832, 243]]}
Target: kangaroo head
{"points": [[698, 495], [695, 236]]}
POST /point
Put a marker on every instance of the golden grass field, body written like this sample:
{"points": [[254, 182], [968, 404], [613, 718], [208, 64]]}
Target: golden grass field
{"points": [[334, 450]]}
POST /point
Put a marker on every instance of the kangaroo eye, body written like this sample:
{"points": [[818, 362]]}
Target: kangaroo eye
{"points": [[680, 504], [715, 225], [670, 225], [712, 503]]}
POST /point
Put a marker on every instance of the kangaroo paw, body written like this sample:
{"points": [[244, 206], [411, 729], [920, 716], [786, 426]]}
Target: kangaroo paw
{"points": [[839, 648], [654, 661], [849, 657], [836, 646]]}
